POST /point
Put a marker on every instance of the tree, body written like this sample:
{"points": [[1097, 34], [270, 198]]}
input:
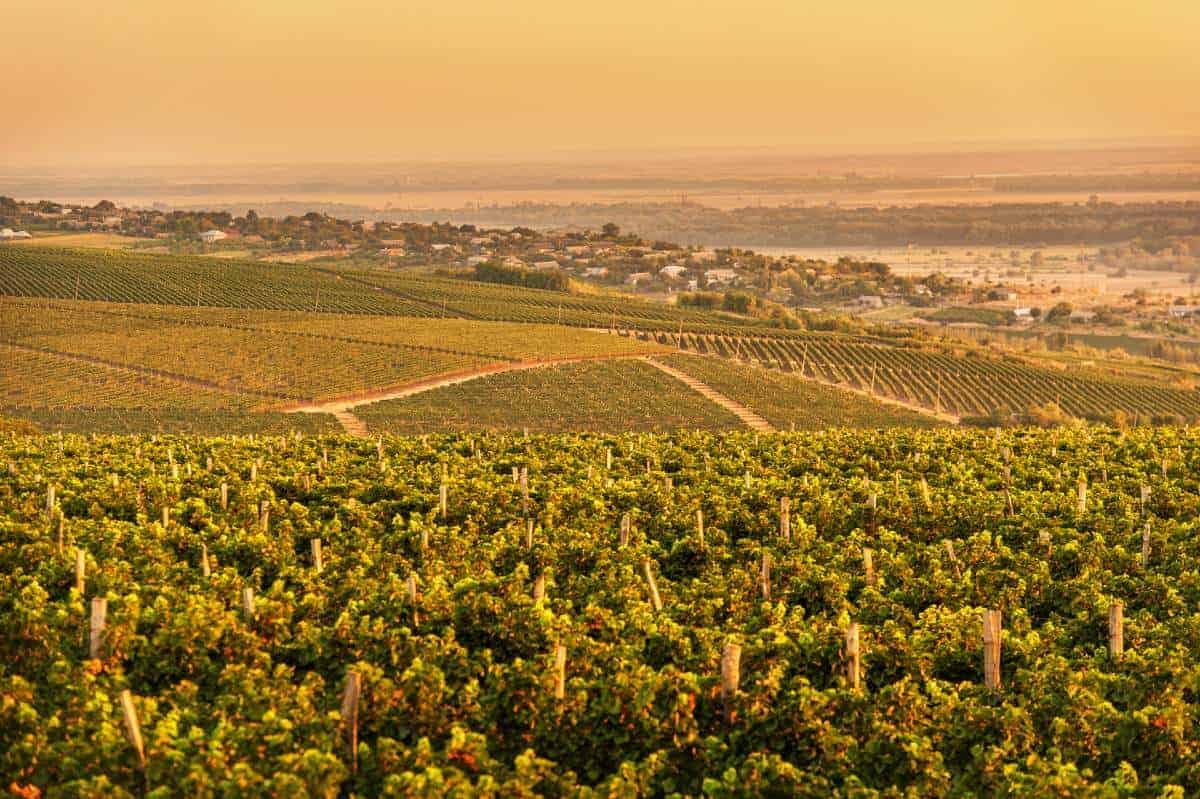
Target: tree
{"points": [[611, 230], [1061, 311]]}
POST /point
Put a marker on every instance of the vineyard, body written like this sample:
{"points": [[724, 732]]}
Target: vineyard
{"points": [[620, 395], [255, 334], [905, 613], [972, 385], [790, 402]]}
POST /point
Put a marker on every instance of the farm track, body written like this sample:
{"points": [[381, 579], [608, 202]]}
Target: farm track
{"points": [[747, 416]]}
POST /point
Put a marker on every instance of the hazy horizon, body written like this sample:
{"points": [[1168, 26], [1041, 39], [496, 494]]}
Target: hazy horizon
{"points": [[131, 82]]}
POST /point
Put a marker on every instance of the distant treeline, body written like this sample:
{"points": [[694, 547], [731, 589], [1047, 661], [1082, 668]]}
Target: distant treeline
{"points": [[491, 272], [1001, 224]]}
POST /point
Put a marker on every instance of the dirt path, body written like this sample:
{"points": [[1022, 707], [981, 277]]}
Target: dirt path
{"points": [[341, 407], [748, 417]]}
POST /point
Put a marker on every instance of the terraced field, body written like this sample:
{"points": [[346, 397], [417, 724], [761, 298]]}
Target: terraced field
{"points": [[616, 396]]}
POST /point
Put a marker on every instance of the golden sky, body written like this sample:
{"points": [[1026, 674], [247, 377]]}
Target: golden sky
{"points": [[360, 80]]}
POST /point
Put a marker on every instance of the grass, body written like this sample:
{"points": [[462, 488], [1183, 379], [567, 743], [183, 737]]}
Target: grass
{"points": [[607, 396], [788, 401]]}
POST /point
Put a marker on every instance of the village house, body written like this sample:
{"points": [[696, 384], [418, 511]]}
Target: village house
{"points": [[637, 277], [213, 236], [712, 276], [672, 271], [596, 271], [545, 266], [1082, 316], [869, 301]]}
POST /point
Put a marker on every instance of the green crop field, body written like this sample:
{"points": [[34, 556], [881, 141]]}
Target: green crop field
{"points": [[620, 395], [788, 401], [944, 613], [970, 385]]}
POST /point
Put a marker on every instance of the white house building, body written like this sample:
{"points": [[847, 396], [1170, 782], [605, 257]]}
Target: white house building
{"points": [[212, 236]]}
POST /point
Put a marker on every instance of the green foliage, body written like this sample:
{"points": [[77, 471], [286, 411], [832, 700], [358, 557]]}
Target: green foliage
{"points": [[458, 696]]}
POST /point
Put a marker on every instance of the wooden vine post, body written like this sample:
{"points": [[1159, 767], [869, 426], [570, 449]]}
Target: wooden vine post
{"points": [[868, 556], [413, 598], [731, 675], [248, 602], [318, 560], [529, 533], [651, 585], [1116, 629], [764, 575], [1145, 498], [785, 518], [350, 697], [626, 526], [991, 649], [205, 566], [443, 499], [80, 570], [852, 656], [224, 496], [560, 672], [539, 588], [700, 526], [96, 627], [133, 729], [1146, 545]]}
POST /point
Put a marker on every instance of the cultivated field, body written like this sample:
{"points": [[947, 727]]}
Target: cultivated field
{"points": [[932, 613]]}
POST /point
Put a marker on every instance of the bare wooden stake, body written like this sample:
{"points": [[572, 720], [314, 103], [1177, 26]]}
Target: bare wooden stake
{"points": [[248, 602], [868, 556], [264, 517], [539, 588], [626, 527], [253, 472], [1146, 544], [608, 458], [49, 503], [560, 672], [205, 568], [700, 526], [1145, 498], [1081, 496], [651, 585], [529, 533], [318, 560], [1116, 628], [925, 495], [764, 575], [96, 627], [414, 598], [731, 676], [133, 729], [852, 656], [953, 558], [443, 499], [224, 496], [991, 649], [350, 696], [785, 518], [166, 517], [62, 521], [80, 570]]}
